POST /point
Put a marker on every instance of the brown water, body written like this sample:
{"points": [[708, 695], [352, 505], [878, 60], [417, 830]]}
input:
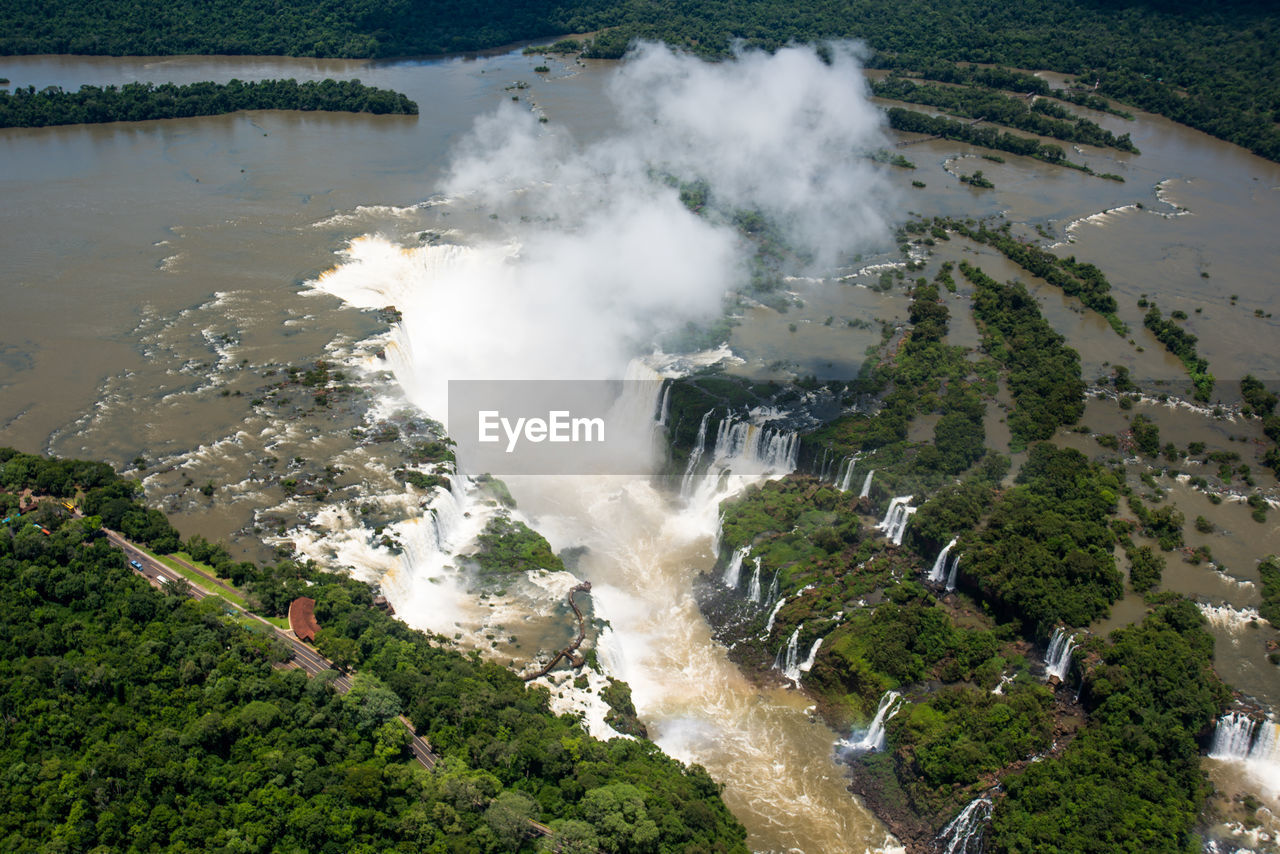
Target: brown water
{"points": [[152, 291]]}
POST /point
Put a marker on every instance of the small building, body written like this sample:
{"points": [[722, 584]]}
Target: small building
{"points": [[302, 618]]}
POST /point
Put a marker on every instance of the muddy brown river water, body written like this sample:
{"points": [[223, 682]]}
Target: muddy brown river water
{"points": [[155, 286]]}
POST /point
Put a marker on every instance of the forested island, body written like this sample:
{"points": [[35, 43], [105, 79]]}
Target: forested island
{"points": [[1211, 67], [134, 102], [140, 718]]}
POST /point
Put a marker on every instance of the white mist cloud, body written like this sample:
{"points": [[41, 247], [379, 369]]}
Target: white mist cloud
{"points": [[594, 255]]}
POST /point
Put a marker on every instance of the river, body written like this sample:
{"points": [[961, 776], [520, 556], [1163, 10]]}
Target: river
{"points": [[161, 278]]}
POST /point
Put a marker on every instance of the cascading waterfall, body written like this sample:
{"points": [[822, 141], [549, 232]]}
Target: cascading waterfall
{"points": [[940, 562], [891, 512], [773, 615], [1058, 660], [1252, 743], [874, 739], [776, 449], [1233, 736], [901, 528], [740, 447], [844, 475], [734, 569], [824, 467], [866, 484], [468, 312], [753, 590], [963, 834], [664, 405], [695, 454], [773, 588], [951, 576], [895, 519], [719, 534], [807, 664], [790, 660]]}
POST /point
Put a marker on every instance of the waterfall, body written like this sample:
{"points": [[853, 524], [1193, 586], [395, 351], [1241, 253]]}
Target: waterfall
{"points": [[773, 615], [963, 835], [895, 519], [715, 539], [773, 588], [695, 454], [1058, 660], [844, 474], [951, 576], [664, 405], [740, 448], [1255, 744], [825, 465], [1233, 736], [890, 514], [890, 705], [940, 562], [807, 664], [791, 662], [742, 439], [734, 569], [866, 485], [896, 534], [753, 590]]}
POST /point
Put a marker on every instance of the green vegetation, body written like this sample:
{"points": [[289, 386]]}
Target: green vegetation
{"points": [[1269, 570], [138, 719], [910, 121], [134, 102], [977, 179], [1044, 558], [510, 546], [1145, 568], [1131, 779], [1146, 435], [1075, 278], [964, 734], [1040, 116], [1044, 373], [925, 375], [1182, 344], [1164, 524], [1209, 67], [1255, 394]]}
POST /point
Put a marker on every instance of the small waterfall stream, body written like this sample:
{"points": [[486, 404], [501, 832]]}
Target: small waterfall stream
{"points": [[890, 704], [940, 562], [963, 834], [951, 576], [895, 519], [1253, 744], [733, 571], [866, 484], [1058, 660], [773, 615], [753, 589], [695, 454]]}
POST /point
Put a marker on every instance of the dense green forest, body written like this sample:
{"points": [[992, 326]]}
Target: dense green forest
{"points": [[1044, 373], [1041, 116], [1209, 66], [1131, 780], [135, 102], [135, 719]]}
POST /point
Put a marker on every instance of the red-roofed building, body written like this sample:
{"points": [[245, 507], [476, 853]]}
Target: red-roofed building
{"points": [[302, 618]]}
